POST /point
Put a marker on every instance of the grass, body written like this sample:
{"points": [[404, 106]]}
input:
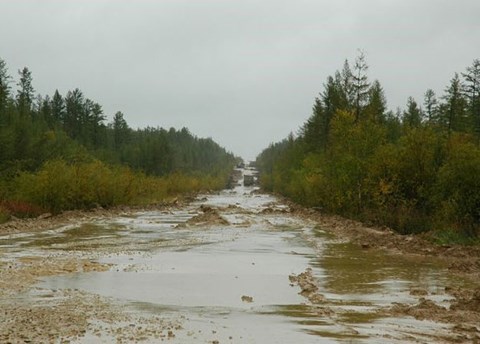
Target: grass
{"points": [[451, 236]]}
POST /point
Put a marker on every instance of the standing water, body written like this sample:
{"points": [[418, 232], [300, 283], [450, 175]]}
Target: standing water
{"points": [[220, 270]]}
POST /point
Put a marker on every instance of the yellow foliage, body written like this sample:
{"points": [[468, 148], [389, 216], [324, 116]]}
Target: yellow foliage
{"points": [[60, 186]]}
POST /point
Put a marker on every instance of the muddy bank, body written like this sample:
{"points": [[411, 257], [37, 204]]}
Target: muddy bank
{"points": [[462, 312], [230, 259], [460, 259], [49, 221]]}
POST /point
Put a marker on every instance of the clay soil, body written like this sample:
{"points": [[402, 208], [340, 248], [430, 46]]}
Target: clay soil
{"points": [[63, 316], [76, 313], [464, 261]]}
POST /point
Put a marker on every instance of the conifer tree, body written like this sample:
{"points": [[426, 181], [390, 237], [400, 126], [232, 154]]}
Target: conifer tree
{"points": [[413, 115], [25, 93], [431, 105], [360, 84], [4, 89], [472, 92]]}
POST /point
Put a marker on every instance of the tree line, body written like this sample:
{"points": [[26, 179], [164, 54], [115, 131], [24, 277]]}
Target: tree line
{"points": [[414, 170], [46, 139]]}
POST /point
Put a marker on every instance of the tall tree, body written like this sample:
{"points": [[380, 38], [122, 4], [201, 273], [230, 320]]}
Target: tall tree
{"points": [[453, 116], [45, 110], [472, 92], [345, 80], [25, 93], [74, 104], [314, 130], [413, 115], [58, 108], [4, 89], [121, 130], [97, 125], [431, 105], [377, 103], [360, 84]]}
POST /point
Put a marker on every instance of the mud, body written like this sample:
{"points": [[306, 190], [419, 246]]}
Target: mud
{"points": [[460, 258], [66, 316], [208, 216], [238, 266]]}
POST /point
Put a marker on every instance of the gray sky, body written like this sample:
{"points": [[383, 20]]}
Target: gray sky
{"points": [[243, 72]]}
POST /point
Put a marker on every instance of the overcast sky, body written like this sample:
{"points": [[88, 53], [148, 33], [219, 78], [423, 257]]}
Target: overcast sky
{"points": [[244, 72]]}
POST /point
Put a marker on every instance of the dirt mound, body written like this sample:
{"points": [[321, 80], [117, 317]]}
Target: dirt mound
{"points": [[308, 286], [274, 208], [207, 216], [425, 309], [467, 301]]}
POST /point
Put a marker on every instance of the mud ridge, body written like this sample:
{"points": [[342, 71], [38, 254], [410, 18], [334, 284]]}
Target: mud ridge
{"points": [[207, 216]]}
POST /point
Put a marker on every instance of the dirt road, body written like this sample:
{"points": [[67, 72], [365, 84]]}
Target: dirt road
{"points": [[235, 267]]}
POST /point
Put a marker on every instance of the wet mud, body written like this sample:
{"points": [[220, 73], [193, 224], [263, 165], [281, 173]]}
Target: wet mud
{"points": [[239, 266]]}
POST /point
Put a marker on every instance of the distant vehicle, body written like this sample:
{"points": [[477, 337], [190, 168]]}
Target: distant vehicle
{"points": [[248, 180]]}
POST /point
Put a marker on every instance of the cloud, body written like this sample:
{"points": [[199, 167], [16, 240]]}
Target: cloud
{"points": [[243, 72]]}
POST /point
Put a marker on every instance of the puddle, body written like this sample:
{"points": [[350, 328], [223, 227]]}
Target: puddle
{"points": [[205, 275]]}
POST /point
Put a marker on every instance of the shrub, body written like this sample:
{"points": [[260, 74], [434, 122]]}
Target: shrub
{"points": [[458, 187]]}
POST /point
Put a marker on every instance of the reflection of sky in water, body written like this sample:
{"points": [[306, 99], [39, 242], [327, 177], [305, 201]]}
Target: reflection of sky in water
{"points": [[201, 273]]}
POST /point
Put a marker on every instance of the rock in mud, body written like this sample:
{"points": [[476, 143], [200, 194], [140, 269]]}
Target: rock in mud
{"points": [[308, 285], [246, 298]]}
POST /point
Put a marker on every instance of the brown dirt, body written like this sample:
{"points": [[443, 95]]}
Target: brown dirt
{"points": [[76, 313], [464, 312], [460, 259], [208, 216], [18, 276], [65, 315], [73, 315], [463, 315], [68, 315], [308, 285]]}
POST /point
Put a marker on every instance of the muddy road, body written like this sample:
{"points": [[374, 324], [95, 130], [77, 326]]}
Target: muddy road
{"points": [[234, 267]]}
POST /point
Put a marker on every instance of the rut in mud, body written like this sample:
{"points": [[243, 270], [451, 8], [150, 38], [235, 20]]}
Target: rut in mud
{"points": [[235, 267]]}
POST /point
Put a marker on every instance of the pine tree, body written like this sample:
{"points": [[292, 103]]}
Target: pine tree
{"points": [[25, 93], [58, 108], [345, 80], [431, 105], [453, 116], [413, 115], [120, 130], [360, 84], [4, 89], [313, 131], [377, 103], [471, 89], [74, 104]]}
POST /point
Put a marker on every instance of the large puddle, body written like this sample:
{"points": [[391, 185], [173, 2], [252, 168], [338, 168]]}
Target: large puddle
{"points": [[230, 283]]}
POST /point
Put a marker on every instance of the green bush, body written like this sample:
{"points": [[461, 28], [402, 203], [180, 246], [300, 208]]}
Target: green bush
{"points": [[458, 187]]}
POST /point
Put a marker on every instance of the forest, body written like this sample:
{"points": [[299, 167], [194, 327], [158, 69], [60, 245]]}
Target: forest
{"points": [[58, 153], [415, 170]]}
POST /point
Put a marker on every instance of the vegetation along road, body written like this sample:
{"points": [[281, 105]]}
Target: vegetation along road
{"points": [[237, 266]]}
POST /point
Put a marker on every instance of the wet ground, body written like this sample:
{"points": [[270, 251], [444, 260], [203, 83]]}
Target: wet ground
{"points": [[236, 267]]}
